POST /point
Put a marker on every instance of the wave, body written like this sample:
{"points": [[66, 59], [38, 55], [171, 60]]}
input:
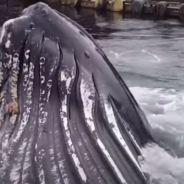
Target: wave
{"points": [[164, 109], [162, 167]]}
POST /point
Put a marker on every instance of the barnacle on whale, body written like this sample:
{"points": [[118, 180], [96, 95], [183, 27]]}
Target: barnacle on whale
{"points": [[12, 108]]}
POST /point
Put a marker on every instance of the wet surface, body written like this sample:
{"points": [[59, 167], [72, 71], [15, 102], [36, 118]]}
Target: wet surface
{"points": [[149, 55]]}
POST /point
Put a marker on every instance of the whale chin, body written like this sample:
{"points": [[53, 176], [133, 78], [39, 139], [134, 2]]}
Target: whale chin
{"points": [[66, 114]]}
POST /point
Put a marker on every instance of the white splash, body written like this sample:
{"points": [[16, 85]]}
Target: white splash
{"points": [[161, 166]]}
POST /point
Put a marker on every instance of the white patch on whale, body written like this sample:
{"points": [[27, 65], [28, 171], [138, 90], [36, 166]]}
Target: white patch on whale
{"points": [[112, 120], [8, 42], [27, 105], [42, 120], [2, 95], [63, 113], [53, 169], [13, 83], [86, 92], [27, 54], [28, 160], [1, 73], [16, 166]]}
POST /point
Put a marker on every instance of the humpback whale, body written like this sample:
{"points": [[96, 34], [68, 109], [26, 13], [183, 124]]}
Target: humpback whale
{"points": [[66, 115]]}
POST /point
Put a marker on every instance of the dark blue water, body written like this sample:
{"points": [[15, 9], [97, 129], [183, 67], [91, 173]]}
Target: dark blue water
{"points": [[149, 56]]}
